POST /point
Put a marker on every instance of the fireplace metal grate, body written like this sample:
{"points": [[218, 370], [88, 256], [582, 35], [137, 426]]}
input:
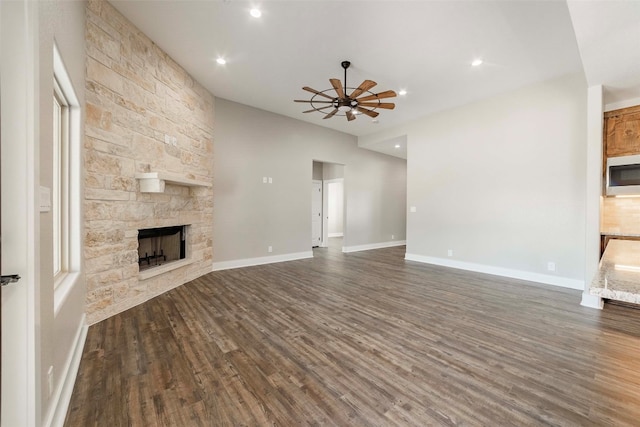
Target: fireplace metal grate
{"points": [[158, 246]]}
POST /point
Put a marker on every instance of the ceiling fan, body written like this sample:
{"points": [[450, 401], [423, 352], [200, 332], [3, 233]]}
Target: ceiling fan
{"points": [[350, 104]]}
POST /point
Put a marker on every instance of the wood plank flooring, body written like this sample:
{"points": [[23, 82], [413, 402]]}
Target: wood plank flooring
{"points": [[361, 339]]}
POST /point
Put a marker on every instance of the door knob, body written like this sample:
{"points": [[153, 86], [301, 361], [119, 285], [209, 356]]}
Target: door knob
{"points": [[11, 278]]}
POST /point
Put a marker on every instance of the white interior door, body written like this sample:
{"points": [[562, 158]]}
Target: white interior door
{"points": [[316, 213], [19, 225]]}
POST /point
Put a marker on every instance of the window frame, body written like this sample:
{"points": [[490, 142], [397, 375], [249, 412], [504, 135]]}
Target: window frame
{"points": [[70, 189], [60, 191]]}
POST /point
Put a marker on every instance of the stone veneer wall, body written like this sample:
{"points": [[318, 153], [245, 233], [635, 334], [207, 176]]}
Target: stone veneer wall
{"points": [[136, 95]]}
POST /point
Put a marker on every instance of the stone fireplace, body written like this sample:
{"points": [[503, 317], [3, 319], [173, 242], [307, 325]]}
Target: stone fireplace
{"points": [[148, 164]]}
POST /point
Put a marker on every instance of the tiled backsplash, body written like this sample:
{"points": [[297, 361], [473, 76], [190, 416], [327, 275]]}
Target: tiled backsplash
{"points": [[620, 215]]}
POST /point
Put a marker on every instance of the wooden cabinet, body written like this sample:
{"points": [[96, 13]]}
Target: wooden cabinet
{"points": [[622, 132]]}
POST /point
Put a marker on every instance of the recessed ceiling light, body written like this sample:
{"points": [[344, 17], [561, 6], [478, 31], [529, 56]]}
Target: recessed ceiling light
{"points": [[402, 92], [221, 61], [255, 12], [476, 62], [397, 145]]}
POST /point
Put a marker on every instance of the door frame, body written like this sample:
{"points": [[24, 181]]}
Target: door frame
{"points": [[325, 233], [322, 226]]}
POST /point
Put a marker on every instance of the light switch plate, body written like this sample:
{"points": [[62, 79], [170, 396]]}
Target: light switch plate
{"points": [[45, 199]]}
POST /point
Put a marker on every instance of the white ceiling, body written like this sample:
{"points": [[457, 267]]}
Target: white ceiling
{"points": [[425, 47], [608, 35]]}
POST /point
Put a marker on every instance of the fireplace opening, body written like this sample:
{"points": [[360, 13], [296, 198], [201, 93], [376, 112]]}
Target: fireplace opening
{"points": [[159, 246]]}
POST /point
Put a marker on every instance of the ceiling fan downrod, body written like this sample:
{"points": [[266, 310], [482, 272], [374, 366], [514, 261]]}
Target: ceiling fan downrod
{"points": [[345, 65]]}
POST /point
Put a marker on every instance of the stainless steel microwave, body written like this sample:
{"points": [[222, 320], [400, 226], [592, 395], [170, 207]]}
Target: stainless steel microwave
{"points": [[623, 175]]}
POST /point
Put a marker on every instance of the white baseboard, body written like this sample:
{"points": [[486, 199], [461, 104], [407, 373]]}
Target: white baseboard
{"points": [[61, 396], [248, 262], [336, 235], [547, 279], [591, 301], [357, 248]]}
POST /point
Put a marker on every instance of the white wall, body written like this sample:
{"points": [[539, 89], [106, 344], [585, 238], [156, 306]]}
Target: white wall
{"points": [[335, 208], [249, 216], [501, 183], [62, 314]]}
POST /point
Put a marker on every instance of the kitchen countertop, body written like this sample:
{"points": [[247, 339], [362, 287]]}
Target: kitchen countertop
{"points": [[618, 277], [619, 233]]}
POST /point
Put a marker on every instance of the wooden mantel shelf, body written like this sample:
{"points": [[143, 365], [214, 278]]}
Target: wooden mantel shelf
{"points": [[153, 182]]}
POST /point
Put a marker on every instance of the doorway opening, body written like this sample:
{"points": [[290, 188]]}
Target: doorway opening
{"points": [[328, 204]]}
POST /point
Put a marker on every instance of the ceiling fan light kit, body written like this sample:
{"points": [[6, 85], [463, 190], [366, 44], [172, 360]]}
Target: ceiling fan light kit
{"points": [[349, 105]]}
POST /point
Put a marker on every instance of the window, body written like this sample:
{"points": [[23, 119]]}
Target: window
{"points": [[60, 193], [65, 184]]}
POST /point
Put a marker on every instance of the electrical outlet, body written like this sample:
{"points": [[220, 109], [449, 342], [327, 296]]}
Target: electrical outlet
{"points": [[413, 209], [551, 266], [393, 236], [270, 180], [270, 249], [450, 252], [264, 179]]}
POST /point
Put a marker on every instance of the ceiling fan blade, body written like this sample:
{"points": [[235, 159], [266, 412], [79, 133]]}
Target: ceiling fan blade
{"points": [[337, 85], [328, 116], [364, 86], [381, 95], [385, 105], [318, 109], [350, 116], [317, 92], [315, 102], [367, 112]]}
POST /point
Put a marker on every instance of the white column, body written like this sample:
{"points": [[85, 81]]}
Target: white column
{"points": [[593, 197]]}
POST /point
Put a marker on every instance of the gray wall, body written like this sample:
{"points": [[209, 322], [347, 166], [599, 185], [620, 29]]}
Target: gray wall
{"points": [[332, 171], [249, 216], [318, 168], [501, 181]]}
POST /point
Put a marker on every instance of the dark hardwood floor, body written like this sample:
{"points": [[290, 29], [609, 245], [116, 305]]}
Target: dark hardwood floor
{"points": [[362, 339]]}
